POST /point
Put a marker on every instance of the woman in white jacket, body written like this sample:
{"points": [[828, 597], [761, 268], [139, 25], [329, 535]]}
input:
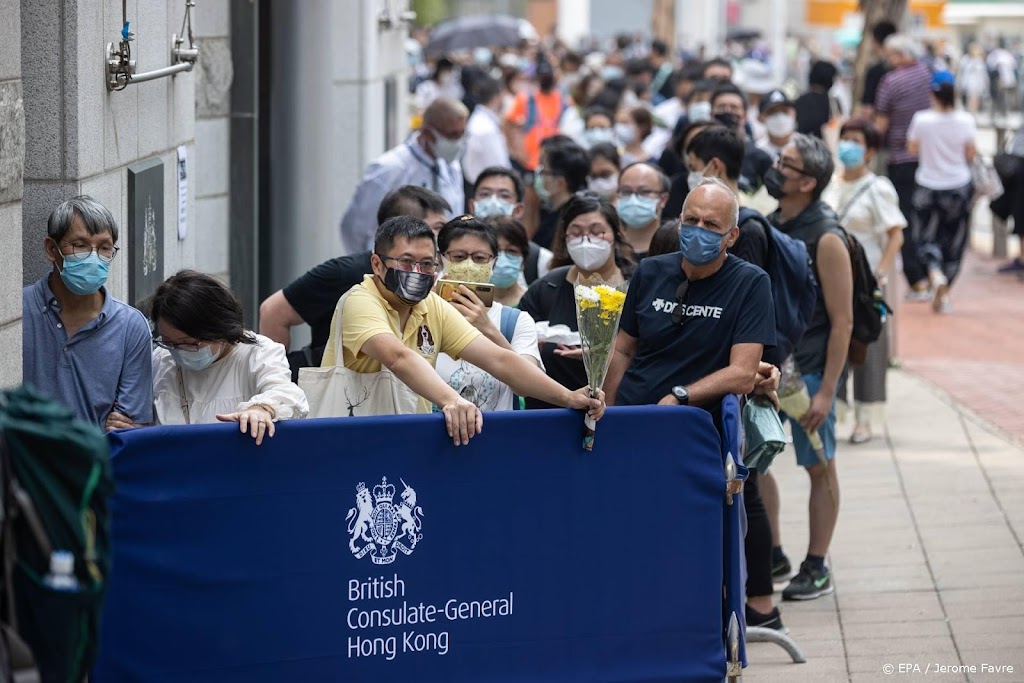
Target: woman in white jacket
{"points": [[207, 367]]}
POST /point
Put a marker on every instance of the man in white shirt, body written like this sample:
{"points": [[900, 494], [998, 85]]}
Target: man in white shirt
{"points": [[429, 158], [485, 142]]}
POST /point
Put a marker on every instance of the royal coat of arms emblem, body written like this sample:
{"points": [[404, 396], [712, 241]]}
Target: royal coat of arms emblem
{"points": [[381, 528]]}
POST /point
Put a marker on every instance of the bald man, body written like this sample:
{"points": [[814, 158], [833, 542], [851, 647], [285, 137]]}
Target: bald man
{"points": [[643, 191], [429, 158], [695, 323]]}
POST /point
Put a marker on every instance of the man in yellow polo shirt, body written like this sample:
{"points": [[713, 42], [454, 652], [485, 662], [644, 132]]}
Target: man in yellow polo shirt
{"points": [[392, 319]]}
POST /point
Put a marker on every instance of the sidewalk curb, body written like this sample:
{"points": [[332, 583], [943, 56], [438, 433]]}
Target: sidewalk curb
{"points": [[961, 408]]}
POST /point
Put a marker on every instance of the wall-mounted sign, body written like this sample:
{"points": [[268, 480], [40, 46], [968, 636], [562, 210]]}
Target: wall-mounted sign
{"points": [[145, 229]]}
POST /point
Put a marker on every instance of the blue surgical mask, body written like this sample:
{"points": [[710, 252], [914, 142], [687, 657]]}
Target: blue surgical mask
{"points": [[636, 211], [492, 206], [84, 276], [699, 246], [595, 136], [538, 185], [851, 154], [506, 270], [197, 361]]}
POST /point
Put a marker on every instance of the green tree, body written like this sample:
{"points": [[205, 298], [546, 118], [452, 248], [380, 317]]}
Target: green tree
{"points": [[429, 12]]}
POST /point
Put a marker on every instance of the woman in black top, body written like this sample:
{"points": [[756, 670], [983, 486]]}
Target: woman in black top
{"points": [[589, 241]]}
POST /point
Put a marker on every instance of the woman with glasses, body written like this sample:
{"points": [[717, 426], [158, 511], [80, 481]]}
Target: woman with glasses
{"points": [[469, 249], [207, 367], [588, 242]]}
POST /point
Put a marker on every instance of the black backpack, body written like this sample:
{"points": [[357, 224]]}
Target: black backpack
{"points": [[794, 287], [869, 306]]}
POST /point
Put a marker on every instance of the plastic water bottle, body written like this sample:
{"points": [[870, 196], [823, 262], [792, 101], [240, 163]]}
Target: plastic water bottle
{"points": [[62, 571]]}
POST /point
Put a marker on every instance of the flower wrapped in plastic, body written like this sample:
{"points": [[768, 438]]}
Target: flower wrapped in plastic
{"points": [[795, 400], [598, 309]]}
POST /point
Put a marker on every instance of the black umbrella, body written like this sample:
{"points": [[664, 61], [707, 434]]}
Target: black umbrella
{"points": [[483, 30]]}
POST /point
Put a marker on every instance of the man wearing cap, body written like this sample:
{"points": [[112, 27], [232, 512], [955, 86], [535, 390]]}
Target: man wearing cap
{"points": [[779, 118]]}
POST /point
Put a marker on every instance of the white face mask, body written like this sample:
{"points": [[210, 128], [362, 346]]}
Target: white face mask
{"points": [[699, 111], [587, 254], [695, 178], [447, 149], [606, 187], [625, 133], [780, 124]]}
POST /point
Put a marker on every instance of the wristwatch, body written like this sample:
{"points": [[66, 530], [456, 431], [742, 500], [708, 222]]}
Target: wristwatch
{"points": [[682, 395]]}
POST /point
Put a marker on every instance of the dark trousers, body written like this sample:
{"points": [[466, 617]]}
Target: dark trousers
{"points": [[758, 541], [902, 177], [941, 228]]}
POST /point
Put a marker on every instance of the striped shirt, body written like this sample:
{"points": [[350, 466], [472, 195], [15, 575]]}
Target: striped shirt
{"points": [[901, 94]]}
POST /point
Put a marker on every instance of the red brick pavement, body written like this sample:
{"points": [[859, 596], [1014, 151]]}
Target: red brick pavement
{"points": [[975, 353]]}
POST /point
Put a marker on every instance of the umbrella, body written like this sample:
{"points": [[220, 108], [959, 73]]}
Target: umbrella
{"points": [[465, 33]]}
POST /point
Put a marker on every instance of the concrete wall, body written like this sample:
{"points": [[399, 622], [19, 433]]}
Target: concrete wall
{"points": [[12, 160], [331, 61], [80, 137]]}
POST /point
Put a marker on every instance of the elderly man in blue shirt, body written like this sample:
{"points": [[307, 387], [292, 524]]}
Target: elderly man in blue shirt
{"points": [[81, 346], [429, 158]]}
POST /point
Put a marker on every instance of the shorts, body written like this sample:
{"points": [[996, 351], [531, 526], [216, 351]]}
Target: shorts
{"points": [[805, 455]]}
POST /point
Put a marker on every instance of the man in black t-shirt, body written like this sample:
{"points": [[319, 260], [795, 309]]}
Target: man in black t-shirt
{"points": [[313, 297], [873, 77], [695, 324]]}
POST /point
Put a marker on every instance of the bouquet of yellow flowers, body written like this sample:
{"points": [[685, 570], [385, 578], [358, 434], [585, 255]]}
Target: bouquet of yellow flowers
{"points": [[598, 308]]}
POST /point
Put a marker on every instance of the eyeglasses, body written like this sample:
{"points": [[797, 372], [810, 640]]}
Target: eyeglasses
{"points": [[544, 171], [480, 258], [408, 264], [594, 232], [81, 251], [626, 192], [679, 314], [176, 347], [782, 163]]}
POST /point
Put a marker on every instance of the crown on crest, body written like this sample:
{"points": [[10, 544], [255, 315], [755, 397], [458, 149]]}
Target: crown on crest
{"points": [[360, 487], [384, 492]]}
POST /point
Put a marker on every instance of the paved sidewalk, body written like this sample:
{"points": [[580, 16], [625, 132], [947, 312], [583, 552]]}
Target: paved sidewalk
{"points": [[927, 559]]}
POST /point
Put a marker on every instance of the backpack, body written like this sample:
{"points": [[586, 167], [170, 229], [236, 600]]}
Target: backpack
{"points": [[869, 307], [794, 287], [533, 117], [509, 318], [56, 483]]}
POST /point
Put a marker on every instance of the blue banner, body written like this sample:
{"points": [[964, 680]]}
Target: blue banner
{"points": [[372, 549]]}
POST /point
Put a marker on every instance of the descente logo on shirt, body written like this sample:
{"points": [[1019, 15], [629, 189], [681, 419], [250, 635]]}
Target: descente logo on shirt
{"points": [[690, 312]]}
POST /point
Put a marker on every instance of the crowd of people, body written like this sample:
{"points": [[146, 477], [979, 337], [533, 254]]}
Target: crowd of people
{"points": [[530, 170]]}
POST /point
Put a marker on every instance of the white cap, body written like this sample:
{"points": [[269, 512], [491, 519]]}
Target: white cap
{"points": [[62, 562]]}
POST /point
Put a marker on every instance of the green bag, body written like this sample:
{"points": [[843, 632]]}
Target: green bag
{"points": [[763, 434], [57, 482]]}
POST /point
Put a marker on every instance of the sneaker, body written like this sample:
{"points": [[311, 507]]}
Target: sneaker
{"points": [[772, 620], [808, 584], [781, 569], [919, 295], [1014, 266]]}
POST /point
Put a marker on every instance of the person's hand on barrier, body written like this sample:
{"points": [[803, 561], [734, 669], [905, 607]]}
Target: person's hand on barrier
{"points": [[257, 420], [582, 400], [669, 400], [116, 420], [821, 404], [574, 352], [767, 383], [463, 420]]}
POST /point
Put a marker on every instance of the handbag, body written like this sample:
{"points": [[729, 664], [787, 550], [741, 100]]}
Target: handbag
{"points": [[985, 179], [763, 434], [339, 392]]}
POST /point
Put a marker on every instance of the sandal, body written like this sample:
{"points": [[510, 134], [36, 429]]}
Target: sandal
{"points": [[861, 434]]}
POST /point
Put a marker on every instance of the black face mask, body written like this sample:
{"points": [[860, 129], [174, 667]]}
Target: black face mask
{"points": [[728, 119], [409, 286], [774, 181]]}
